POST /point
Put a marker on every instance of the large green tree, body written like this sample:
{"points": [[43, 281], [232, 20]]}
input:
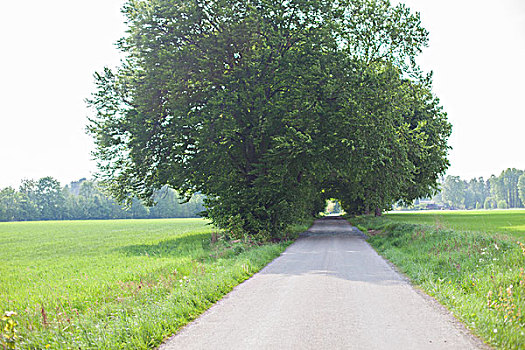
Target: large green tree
{"points": [[269, 107]]}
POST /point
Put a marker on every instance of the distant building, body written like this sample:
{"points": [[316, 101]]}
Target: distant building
{"points": [[429, 205]]}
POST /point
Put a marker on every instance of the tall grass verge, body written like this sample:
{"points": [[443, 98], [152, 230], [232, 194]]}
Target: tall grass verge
{"points": [[478, 276], [116, 284]]}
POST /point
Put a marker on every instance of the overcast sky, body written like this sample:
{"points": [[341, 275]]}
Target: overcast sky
{"points": [[50, 50]]}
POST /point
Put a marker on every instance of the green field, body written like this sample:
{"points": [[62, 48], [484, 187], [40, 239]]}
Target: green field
{"points": [[491, 221], [115, 284]]}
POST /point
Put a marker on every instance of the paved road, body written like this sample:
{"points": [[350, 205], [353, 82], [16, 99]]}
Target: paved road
{"points": [[329, 290]]}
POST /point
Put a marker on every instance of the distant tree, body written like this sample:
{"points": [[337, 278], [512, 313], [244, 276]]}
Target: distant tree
{"points": [[15, 205], [490, 203], [138, 210], [453, 192], [475, 193], [497, 190], [45, 199], [521, 188], [8, 204], [74, 186], [87, 189], [505, 187], [28, 188], [50, 198], [510, 178], [469, 195], [502, 204], [74, 205], [166, 201]]}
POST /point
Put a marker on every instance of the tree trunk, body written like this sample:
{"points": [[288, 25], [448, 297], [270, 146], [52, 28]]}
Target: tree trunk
{"points": [[378, 211]]}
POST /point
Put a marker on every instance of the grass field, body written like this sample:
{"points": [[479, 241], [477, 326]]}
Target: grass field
{"points": [[474, 270], [493, 221], [115, 284]]}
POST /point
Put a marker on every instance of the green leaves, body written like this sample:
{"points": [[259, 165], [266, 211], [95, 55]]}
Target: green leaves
{"points": [[267, 107]]}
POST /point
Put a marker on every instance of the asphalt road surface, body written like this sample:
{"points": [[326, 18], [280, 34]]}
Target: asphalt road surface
{"points": [[328, 290]]}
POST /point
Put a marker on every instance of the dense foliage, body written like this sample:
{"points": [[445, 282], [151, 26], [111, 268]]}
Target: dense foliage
{"points": [[504, 191], [269, 107], [46, 199]]}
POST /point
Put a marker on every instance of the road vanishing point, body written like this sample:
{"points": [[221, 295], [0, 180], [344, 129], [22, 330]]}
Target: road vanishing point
{"points": [[328, 290]]}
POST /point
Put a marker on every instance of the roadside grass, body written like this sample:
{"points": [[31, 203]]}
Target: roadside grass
{"points": [[478, 276], [116, 284], [493, 221]]}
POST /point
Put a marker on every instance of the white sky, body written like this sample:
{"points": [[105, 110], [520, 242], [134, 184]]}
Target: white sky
{"points": [[477, 53], [49, 51]]}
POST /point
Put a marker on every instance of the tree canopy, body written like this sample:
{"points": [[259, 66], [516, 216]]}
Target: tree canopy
{"points": [[270, 107]]}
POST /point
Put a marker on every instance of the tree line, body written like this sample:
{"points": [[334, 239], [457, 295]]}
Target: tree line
{"points": [[46, 199], [504, 191]]}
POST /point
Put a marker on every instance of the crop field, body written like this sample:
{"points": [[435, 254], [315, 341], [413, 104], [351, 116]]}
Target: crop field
{"points": [[492, 221], [115, 284]]}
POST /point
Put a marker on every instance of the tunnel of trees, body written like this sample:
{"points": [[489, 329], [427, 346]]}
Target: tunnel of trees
{"points": [[269, 108]]}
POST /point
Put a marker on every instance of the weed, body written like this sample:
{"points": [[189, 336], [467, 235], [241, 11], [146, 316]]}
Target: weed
{"points": [[8, 335], [508, 302]]}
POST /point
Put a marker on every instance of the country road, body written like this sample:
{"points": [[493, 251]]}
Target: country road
{"points": [[328, 290]]}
